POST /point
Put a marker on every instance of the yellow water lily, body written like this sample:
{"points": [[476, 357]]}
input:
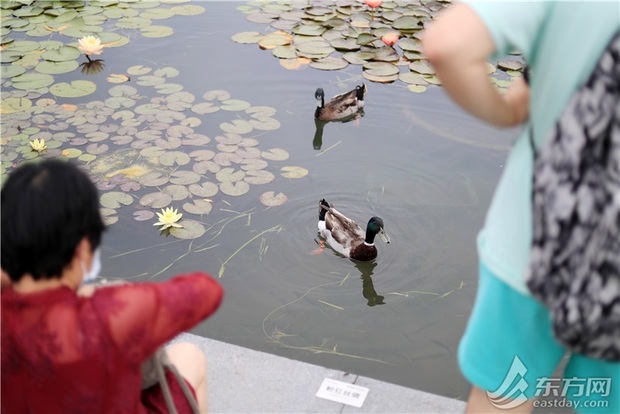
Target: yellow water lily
{"points": [[90, 45], [38, 145], [168, 218]]}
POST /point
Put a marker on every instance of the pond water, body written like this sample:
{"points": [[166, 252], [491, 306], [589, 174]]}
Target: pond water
{"points": [[415, 160]]}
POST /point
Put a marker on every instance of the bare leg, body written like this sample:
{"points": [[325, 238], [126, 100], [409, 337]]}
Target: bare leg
{"points": [[192, 365], [479, 403]]}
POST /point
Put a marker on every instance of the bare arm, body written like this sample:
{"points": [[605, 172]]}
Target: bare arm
{"points": [[458, 45]]}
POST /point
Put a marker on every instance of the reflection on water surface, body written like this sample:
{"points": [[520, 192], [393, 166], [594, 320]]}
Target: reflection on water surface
{"points": [[414, 159]]}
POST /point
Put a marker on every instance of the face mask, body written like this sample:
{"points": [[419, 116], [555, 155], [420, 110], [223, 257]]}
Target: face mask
{"points": [[95, 268]]}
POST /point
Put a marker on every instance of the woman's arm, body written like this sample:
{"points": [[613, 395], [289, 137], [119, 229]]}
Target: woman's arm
{"points": [[458, 45], [143, 316]]}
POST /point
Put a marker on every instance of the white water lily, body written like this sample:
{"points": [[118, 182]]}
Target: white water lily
{"points": [[90, 45], [38, 145], [168, 218]]}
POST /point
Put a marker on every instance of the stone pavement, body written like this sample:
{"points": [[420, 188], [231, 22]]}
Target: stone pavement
{"points": [[247, 381]]}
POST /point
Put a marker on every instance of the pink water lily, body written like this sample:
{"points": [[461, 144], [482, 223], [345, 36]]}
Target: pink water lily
{"points": [[391, 38], [373, 4]]}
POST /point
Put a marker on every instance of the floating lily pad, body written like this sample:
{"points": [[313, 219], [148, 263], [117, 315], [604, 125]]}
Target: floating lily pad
{"points": [[258, 177], [206, 189], [417, 88], [191, 230], [115, 199], [198, 207], [330, 63], [177, 192], [156, 200], [184, 177], [174, 157], [247, 37], [143, 215], [234, 188], [270, 199], [293, 172], [275, 154], [237, 126], [31, 81], [156, 31], [509, 65], [75, 89]]}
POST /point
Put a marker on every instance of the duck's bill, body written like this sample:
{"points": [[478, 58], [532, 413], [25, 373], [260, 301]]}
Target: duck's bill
{"points": [[384, 237]]}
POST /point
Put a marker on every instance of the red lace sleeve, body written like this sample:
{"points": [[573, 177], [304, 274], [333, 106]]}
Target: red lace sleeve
{"points": [[141, 317]]}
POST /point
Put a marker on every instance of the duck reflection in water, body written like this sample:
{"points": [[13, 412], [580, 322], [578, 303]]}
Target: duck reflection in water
{"points": [[368, 289], [317, 141]]}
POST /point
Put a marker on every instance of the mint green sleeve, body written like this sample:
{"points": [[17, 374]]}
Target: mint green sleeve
{"points": [[513, 25]]}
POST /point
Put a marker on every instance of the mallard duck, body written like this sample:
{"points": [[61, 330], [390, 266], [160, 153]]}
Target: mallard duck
{"points": [[340, 106], [346, 237]]}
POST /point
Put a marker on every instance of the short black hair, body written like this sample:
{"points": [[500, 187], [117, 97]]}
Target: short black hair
{"points": [[47, 207]]}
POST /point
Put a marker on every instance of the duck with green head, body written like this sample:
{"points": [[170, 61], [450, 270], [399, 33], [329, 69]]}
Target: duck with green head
{"points": [[340, 106], [346, 237]]}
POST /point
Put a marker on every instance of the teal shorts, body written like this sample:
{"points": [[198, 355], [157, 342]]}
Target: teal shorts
{"points": [[508, 349]]}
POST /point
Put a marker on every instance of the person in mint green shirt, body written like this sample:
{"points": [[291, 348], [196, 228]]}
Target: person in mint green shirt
{"points": [[508, 351]]}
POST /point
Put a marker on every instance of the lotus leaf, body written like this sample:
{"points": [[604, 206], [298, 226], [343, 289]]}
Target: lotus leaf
{"points": [[247, 37], [87, 158], [422, 66], [13, 105], [261, 17], [143, 215], [174, 157], [157, 13], [96, 149], [75, 89], [203, 167], [270, 199], [275, 154], [253, 164], [216, 94], [293, 172], [156, 200], [412, 78], [293, 64], [156, 31], [235, 105], [188, 10], [330, 63], [115, 199], [257, 177], [229, 175], [416, 88], [62, 54], [72, 153], [132, 22], [177, 192], [234, 188], [198, 207], [237, 126], [153, 179], [184, 177], [32, 81], [191, 230], [272, 40], [248, 153]]}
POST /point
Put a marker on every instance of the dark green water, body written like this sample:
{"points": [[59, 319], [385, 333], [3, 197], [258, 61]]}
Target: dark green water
{"points": [[415, 160]]}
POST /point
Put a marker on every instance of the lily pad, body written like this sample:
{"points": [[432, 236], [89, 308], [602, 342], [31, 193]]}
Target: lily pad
{"points": [[330, 63], [115, 199], [31, 81], [75, 89], [198, 207], [156, 200], [270, 199], [258, 177], [234, 188], [247, 37], [293, 172], [191, 230], [275, 154], [206, 189]]}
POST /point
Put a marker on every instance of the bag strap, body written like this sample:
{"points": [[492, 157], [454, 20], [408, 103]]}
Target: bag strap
{"points": [[161, 363]]}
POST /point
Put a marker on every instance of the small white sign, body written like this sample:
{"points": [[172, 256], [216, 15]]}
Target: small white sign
{"points": [[342, 392]]}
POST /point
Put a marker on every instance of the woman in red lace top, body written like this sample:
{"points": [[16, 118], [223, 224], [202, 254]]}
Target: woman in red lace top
{"points": [[63, 352]]}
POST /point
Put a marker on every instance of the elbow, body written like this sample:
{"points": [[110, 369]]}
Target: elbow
{"points": [[434, 46]]}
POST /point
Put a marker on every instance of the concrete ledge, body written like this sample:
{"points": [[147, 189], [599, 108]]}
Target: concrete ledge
{"points": [[242, 380]]}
